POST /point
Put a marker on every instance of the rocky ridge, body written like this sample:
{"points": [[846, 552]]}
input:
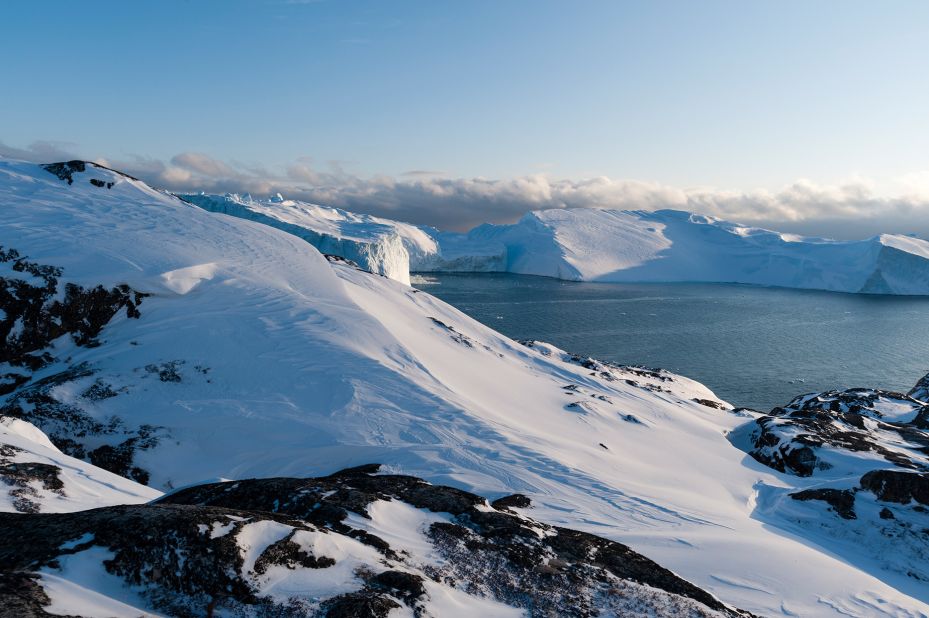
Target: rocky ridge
{"points": [[227, 547]]}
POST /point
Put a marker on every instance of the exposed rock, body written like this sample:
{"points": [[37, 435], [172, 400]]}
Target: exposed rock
{"points": [[185, 554], [289, 554], [66, 170], [454, 334], [494, 551], [36, 310], [166, 372], [518, 501], [21, 596], [22, 476], [842, 501], [795, 437], [711, 404], [364, 604], [920, 391], [404, 585], [98, 391], [838, 437], [897, 486], [71, 428]]}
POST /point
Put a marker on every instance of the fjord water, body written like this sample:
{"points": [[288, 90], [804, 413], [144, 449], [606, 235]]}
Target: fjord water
{"points": [[755, 347]]}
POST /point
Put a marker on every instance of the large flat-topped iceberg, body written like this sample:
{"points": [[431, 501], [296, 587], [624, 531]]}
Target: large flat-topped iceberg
{"points": [[671, 246]]}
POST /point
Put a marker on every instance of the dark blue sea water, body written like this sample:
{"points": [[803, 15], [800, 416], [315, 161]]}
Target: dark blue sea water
{"points": [[755, 347]]}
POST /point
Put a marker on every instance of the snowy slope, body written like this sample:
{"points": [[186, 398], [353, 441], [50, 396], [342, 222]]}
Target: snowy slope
{"points": [[36, 477], [253, 356], [668, 245]]}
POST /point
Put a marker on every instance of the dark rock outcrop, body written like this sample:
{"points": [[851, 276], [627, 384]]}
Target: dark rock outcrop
{"points": [[842, 501], [897, 486], [838, 438], [790, 438], [21, 478], [518, 501], [33, 315], [37, 309], [184, 554]]}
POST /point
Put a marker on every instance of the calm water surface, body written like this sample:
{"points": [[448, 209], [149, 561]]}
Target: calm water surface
{"points": [[755, 347]]}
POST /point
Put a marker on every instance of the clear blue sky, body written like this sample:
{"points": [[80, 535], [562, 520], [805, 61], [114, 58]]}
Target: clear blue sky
{"points": [[737, 95]]}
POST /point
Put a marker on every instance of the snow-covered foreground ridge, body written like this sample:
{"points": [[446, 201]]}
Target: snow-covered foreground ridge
{"points": [[171, 345], [603, 245]]}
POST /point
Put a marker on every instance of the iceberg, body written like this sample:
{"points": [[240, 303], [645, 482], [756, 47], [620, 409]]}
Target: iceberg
{"points": [[676, 246]]}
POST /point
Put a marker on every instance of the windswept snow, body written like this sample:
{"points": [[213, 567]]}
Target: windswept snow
{"points": [[254, 356]]}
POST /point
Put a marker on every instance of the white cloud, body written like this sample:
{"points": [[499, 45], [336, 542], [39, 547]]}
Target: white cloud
{"points": [[202, 164], [847, 209]]}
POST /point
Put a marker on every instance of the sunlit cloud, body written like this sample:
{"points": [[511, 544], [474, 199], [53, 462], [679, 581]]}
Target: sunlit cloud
{"points": [[846, 209]]}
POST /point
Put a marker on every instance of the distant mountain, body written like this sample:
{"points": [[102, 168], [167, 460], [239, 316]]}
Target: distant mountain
{"points": [[173, 346], [602, 245]]}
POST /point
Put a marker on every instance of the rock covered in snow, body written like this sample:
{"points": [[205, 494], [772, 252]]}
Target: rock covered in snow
{"points": [[842, 430], [865, 453], [36, 477], [354, 544]]}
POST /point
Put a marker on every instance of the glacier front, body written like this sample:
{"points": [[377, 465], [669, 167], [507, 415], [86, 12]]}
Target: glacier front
{"points": [[675, 246], [588, 244]]}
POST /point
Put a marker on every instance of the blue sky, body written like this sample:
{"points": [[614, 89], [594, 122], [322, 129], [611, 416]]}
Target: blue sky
{"points": [[717, 98]]}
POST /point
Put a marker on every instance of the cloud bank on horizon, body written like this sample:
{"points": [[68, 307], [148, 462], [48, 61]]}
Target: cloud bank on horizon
{"points": [[847, 210]]}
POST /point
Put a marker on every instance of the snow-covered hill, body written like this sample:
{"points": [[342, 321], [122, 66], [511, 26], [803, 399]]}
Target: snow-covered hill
{"points": [[173, 345], [670, 246]]}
